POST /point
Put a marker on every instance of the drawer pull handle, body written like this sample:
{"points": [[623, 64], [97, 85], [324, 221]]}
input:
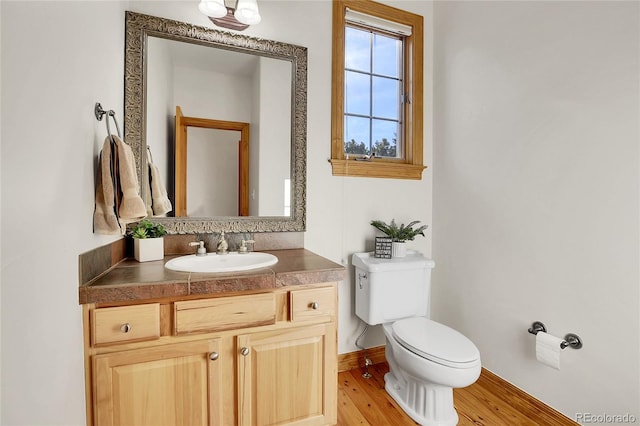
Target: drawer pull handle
{"points": [[214, 356], [244, 351], [125, 328], [315, 305]]}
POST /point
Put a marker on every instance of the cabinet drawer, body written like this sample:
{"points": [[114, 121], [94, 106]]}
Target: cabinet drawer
{"points": [[225, 313], [125, 323], [313, 304]]}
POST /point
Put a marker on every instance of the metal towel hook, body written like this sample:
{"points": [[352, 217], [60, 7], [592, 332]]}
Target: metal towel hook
{"points": [[537, 326], [100, 112], [570, 339]]}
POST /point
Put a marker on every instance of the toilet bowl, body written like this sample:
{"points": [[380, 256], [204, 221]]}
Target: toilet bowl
{"points": [[426, 359]]}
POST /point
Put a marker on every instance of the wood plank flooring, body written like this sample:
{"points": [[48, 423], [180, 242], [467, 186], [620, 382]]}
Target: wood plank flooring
{"points": [[488, 402]]}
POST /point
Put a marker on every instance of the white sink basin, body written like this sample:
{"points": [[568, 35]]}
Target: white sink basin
{"points": [[213, 262]]}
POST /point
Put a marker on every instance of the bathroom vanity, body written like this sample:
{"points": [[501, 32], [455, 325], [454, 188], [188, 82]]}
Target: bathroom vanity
{"points": [[245, 348]]}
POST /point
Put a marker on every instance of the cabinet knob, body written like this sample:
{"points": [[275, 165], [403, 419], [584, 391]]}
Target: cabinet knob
{"points": [[244, 351], [315, 305], [214, 356], [125, 328]]}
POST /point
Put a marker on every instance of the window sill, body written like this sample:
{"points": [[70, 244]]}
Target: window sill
{"points": [[377, 169]]}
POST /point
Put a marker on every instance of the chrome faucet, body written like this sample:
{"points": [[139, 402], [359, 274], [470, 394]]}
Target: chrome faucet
{"points": [[201, 250], [223, 245]]}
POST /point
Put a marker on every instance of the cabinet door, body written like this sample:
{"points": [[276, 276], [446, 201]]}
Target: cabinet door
{"points": [[288, 377], [176, 384]]}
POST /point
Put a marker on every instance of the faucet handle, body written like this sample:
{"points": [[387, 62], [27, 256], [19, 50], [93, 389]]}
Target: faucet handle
{"points": [[243, 247], [201, 250]]}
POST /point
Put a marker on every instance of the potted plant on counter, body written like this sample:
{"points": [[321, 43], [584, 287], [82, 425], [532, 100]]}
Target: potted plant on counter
{"points": [[399, 234], [148, 241]]}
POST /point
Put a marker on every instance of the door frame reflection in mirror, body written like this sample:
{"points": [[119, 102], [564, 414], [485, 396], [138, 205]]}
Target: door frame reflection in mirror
{"points": [[138, 28], [182, 124]]}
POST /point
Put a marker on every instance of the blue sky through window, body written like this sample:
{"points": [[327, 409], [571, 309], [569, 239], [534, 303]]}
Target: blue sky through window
{"points": [[373, 87]]}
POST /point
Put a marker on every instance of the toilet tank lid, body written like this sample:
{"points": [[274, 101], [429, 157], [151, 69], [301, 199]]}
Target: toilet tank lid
{"points": [[370, 263]]}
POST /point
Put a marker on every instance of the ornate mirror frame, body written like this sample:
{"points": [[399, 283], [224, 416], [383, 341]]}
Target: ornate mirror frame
{"points": [[137, 28]]}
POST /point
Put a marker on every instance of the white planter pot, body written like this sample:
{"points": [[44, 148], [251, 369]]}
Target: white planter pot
{"points": [[147, 249], [398, 249]]}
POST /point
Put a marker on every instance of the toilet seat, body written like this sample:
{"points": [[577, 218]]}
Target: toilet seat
{"points": [[436, 342]]}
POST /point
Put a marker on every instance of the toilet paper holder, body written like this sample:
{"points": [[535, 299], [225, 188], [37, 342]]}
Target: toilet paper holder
{"points": [[570, 339]]}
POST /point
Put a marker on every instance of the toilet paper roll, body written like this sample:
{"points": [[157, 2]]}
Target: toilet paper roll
{"points": [[548, 349]]}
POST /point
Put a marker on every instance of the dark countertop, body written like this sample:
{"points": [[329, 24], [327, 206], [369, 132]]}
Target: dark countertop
{"points": [[130, 280]]}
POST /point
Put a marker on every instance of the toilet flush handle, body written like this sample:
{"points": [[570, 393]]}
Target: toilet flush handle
{"points": [[360, 278]]}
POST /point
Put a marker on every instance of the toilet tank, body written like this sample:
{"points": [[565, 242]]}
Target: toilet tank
{"points": [[391, 289]]}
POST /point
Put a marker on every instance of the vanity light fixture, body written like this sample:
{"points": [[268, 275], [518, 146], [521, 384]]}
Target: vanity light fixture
{"points": [[239, 18]]}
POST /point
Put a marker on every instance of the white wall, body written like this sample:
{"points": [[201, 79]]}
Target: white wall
{"points": [[197, 97], [212, 172], [57, 61], [160, 108], [532, 152], [536, 192], [274, 144], [254, 147], [0, 218]]}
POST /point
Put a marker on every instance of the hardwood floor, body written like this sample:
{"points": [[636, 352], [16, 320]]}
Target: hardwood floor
{"points": [[488, 402]]}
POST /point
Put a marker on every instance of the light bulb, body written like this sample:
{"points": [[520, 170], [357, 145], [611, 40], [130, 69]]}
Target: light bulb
{"points": [[213, 8], [247, 12]]}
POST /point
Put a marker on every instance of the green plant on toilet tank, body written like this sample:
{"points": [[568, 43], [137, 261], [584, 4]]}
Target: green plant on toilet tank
{"points": [[399, 233], [148, 243]]}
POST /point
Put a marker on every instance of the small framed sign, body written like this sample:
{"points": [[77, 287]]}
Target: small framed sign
{"points": [[383, 247]]}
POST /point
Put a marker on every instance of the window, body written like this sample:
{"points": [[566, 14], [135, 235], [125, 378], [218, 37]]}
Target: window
{"points": [[377, 91], [372, 92]]}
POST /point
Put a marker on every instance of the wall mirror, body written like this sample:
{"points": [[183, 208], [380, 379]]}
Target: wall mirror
{"points": [[218, 76]]}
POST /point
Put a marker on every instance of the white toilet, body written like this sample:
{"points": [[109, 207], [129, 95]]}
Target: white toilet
{"points": [[426, 359]]}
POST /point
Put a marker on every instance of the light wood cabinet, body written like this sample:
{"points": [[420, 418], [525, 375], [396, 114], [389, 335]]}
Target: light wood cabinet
{"points": [[288, 376], [224, 313], [266, 358], [177, 384], [125, 324]]}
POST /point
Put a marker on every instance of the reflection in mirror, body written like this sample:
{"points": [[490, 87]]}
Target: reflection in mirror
{"points": [[255, 90], [216, 181], [213, 183], [219, 76]]}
